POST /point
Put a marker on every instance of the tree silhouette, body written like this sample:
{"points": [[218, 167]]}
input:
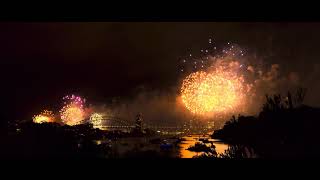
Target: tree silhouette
{"points": [[285, 128]]}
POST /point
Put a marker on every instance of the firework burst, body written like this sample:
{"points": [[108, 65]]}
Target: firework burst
{"points": [[215, 82], [217, 91], [44, 117], [96, 120], [73, 111]]}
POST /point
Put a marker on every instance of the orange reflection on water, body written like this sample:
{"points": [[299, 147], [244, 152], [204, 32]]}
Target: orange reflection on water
{"points": [[191, 140]]}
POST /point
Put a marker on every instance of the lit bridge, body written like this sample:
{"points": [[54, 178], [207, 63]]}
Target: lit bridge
{"points": [[112, 122]]}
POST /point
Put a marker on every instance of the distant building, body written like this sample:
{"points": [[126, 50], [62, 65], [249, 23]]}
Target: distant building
{"points": [[137, 130], [138, 125]]}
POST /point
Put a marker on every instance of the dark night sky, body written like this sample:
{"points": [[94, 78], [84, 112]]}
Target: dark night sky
{"points": [[41, 62]]}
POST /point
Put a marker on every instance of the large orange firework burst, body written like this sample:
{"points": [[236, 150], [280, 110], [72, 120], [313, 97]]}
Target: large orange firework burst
{"points": [[220, 90], [44, 117]]}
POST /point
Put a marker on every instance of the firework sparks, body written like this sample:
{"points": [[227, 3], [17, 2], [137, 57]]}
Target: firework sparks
{"points": [[190, 63], [96, 120], [218, 91], [226, 81], [217, 85], [44, 117], [72, 113], [216, 82], [77, 100]]}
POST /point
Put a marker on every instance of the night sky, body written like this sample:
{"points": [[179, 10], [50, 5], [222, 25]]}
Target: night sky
{"points": [[41, 62]]}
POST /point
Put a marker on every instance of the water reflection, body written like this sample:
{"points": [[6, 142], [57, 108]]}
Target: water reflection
{"points": [[192, 139], [177, 149]]}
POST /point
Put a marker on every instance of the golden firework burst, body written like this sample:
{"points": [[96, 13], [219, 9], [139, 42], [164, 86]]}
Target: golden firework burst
{"points": [[44, 117], [220, 90], [72, 114]]}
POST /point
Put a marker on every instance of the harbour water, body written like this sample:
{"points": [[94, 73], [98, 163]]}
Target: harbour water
{"points": [[178, 146], [192, 139]]}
